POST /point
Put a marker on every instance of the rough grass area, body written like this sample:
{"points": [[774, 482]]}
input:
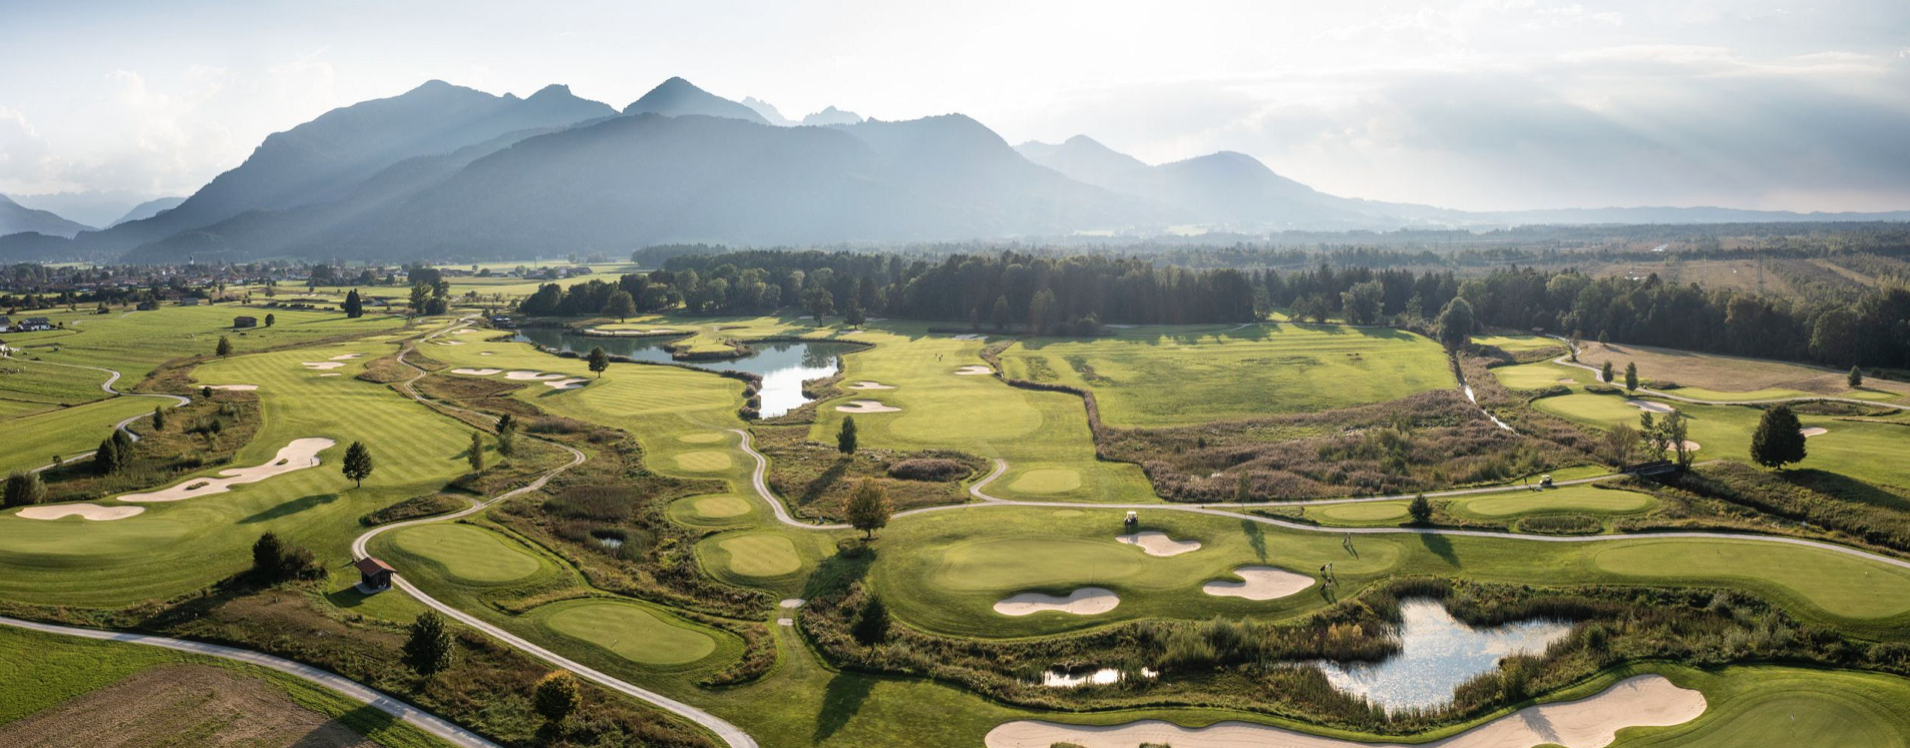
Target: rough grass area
{"points": [[1426, 442], [417, 506], [197, 704], [816, 480], [205, 433], [1154, 376], [1706, 376]]}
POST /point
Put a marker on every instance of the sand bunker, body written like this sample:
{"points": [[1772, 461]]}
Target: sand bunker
{"points": [[1261, 583], [1086, 601], [871, 386], [299, 455], [450, 342], [970, 336], [973, 370], [1593, 722], [1648, 406], [234, 387], [793, 602], [322, 364], [466, 331], [566, 384], [329, 375], [348, 356], [86, 511], [785, 621], [1814, 431], [867, 406], [629, 333], [1691, 446], [487, 353], [531, 376], [476, 372], [1157, 543]]}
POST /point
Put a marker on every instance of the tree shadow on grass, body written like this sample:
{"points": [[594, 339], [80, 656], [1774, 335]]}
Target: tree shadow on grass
{"points": [[837, 573], [841, 700], [1441, 546], [365, 720], [290, 508], [1256, 537], [1844, 487]]}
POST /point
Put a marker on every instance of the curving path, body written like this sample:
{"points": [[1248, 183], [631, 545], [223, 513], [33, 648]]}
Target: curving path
{"points": [[351, 689], [107, 386]]}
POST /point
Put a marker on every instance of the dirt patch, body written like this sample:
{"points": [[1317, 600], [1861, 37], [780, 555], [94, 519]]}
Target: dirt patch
{"points": [[975, 370], [93, 512], [1594, 722], [196, 705], [1260, 583], [299, 455], [867, 406], [1086, 601], [1157, 543]]}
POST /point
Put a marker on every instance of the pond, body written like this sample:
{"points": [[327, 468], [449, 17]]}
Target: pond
{"points": [[784, 366], [1438, 652]]}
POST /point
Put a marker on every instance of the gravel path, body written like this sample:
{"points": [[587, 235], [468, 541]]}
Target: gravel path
{"points": [[107, 386]]}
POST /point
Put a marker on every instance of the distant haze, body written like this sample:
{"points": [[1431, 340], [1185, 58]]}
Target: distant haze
{"points": [[1479, 105]]}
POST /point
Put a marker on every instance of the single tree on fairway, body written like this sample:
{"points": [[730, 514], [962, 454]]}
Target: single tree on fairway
{"points": [[869, 508], [1676, 430], [846, 437], [818, 302], [599, 361], [1856, 377], [476, 454], [620, 305], [556, 696], [1606, 375], [224, 348], [1779, 439], [1455, 323], [23, 489], [872, 622], [1631, 376], [354, 306], [358, 465], [428, 648], [1421, 509], [271, 319]]}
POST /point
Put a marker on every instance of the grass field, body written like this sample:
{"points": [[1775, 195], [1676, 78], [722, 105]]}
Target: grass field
{"points": [[1518, 343], [635, 632], [1705, 376], [33, 440], [1152, 376], [1581, 498], [467, 553]]}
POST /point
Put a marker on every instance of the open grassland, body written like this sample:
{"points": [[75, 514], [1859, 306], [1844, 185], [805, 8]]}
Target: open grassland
{"points": [[49, 673], [1519, 343], [1154, 376], [1706, 376], [34, 440], [175, 547], [134, 343], [38, 383], [946, 570]]}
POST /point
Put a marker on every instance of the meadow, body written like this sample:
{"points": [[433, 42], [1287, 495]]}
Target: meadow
{"points": [[1705, 376]]}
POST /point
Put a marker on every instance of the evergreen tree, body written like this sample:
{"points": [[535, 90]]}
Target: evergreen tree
{"points": [[1856, 378], [358, 464], [621, 305], [1631, 376], [869, 508], [23, 489], [159, 418], [1779, 439], [475, 455], [1606, 375], [1001, 314], [354, 305], [106, 459], [556, 696], [271, 319], [225, 346], [599, 361], [872, 622], [428, 648], [506, 435], [268, 557], [846, 436], [1420, 509]]}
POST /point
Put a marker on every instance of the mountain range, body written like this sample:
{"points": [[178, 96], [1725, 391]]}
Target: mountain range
{"points": [[444, 171]]}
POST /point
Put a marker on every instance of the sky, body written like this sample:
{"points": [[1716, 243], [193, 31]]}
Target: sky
{"points": [[1479, 105]]}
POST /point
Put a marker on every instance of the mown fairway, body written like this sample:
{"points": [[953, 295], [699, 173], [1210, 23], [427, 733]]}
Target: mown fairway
{"points": [[466, 553], [175, 547], [1153, 376], [33, 440]]}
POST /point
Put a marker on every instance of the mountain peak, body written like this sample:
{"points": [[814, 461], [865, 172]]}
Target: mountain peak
{"points": [[676, 97], [1082, 158], [832, 116], [552, 90]]}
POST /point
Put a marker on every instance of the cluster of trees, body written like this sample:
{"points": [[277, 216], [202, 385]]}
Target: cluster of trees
{"points": [[23, 489], [274, 561], [115, 453]]}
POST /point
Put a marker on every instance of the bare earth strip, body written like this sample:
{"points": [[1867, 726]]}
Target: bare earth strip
{"points": [[202, 704], [1593, 722]]}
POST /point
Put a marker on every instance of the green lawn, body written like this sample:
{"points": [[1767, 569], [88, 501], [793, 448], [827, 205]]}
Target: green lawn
{"points": [[1517, 343], [635, 632], [1581, 498], [33, 440], [467, 553], [1155, 376]]}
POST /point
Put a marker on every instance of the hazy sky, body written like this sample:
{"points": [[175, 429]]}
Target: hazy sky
{"points": [[1495, 104]]}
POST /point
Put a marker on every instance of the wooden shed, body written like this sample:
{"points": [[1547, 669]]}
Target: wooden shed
{"points": [[374, 574]]}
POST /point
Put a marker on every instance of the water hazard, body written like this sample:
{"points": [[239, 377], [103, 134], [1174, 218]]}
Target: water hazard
{"points": [[784, 366], [1438, 652]]}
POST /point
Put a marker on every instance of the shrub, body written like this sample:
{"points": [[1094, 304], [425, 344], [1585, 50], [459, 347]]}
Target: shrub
{"points": [[1562, 524], [929, 469]]}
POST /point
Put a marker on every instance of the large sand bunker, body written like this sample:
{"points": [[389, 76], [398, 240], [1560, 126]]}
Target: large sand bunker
{"points": [[566, 384], [866, 385], [1260, 583], [530, 376], [970, 336], [1086, 601], [85, 511], [1814, 431], [867, 406], [476, 372], [973, 370], [1157, 543], [234, 387], [299, 455], [1593, 722], [347, 356], [1649, 406], [322, 364]]}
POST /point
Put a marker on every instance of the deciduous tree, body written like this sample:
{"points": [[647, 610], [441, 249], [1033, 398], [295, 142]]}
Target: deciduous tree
{"points": [[869, 508], [1456, 323], [475, 455], [23, 489], [872, 622], [556, 696], [428, 648], [358, 463], [1420, 509], [599, 361]]}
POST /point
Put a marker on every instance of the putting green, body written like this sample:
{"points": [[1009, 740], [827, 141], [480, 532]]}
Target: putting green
{"points": [[1047, 480], [1025, 563], [760, 555], [466, 552], [719, 507], [632, 632], [1568, 499], [707, 461], [702, 438], [1839, 584], [1365, 512]]}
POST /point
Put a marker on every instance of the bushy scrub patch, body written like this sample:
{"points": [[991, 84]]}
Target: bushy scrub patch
{"points": [[1562, 524], [417, 506], [206, 432], [816, 479], [1426, 442], [937, 469], [1853, 508], [1513, 407]]}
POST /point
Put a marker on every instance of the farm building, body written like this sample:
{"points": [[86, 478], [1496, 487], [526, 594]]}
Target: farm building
{"points": [[243, 321]]}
